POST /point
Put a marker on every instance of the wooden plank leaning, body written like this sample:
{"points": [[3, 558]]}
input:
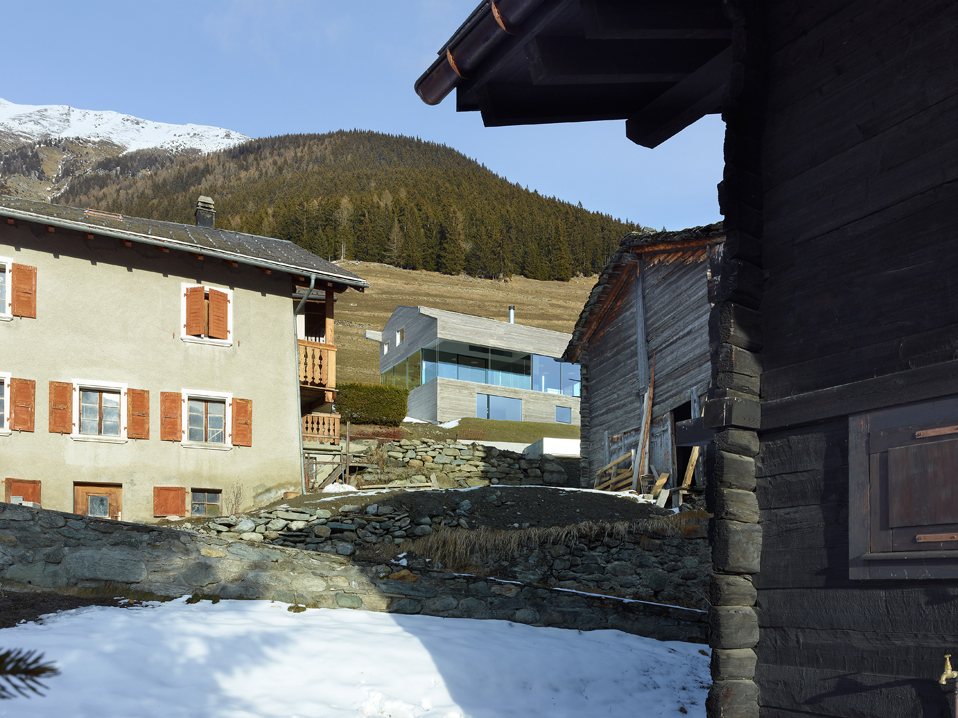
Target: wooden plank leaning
{"points": [[638, 466]]}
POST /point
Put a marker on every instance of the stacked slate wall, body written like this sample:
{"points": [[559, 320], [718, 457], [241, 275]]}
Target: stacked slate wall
{"points": [[732, 408]]}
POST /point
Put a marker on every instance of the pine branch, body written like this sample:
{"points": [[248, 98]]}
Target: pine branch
{"points": [[21, 671]]}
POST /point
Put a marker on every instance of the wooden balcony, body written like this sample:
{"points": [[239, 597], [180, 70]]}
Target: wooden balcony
{"points": [[322, 428], [317, 373]]}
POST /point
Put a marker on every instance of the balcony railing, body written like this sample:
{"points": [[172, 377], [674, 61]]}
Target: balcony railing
{"points": [[323, 428], [317, 365]]}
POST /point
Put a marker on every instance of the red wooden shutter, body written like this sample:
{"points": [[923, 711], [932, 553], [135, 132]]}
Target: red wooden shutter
{"points": [[29, 489], [171, 416], [169, 501], [23, 393], [219, 315], [242, 422], [24, 294], [61, 407], [195, 310], [137, 414]]}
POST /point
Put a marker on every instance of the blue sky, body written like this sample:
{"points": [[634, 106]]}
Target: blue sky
{"points": [[273, 67]]}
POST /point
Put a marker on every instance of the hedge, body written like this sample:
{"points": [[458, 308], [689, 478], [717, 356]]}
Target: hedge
{"points": [[371, 404]]}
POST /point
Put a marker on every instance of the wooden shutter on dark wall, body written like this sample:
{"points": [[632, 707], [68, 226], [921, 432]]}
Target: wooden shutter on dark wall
{"points": [[137, 414], [195, 311], [171, 416], [61, 407], [242, 422], [28, 489], [219, 315], [23, 393], [169, 501], [24, 294]]}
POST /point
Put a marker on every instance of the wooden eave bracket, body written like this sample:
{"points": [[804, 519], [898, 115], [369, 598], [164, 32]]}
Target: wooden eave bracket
{"points": [[699, 94]]}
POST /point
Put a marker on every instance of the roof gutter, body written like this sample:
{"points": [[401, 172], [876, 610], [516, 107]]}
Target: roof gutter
{"points": [[488, 25], [360, 284]]}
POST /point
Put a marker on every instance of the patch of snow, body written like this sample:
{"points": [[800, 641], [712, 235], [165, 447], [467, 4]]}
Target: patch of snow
{"points": [[450, 424], [411, 420], [255, 659], [38, 122], [339, 489]]}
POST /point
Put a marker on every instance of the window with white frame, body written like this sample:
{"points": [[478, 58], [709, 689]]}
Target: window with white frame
{"points": [[99, 411], [385, 348], [6, 283], [206, 314], [4, 403], [400, 336], [207, 417]]}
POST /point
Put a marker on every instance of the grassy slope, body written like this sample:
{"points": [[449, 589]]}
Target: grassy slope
{"points": [[548, 305]]}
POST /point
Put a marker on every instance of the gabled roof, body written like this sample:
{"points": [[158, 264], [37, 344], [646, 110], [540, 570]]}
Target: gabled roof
{"points": [[264, 252], [658, 64], [634, 244]]}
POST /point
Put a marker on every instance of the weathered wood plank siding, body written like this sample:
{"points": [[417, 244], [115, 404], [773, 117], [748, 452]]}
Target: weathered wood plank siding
{"points": [[861, 274], [676, 324], [615, 387]]}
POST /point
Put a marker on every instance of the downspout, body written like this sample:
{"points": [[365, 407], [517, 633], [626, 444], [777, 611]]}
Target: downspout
{"points": [[299, 394]]}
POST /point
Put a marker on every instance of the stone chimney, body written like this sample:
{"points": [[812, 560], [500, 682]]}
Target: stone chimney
{"points": [[205, 214]]}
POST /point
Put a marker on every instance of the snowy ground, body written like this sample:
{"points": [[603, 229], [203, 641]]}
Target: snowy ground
{"points": [[255, 659]]}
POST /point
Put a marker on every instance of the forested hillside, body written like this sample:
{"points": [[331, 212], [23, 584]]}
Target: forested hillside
{"points": [[381, 198]]}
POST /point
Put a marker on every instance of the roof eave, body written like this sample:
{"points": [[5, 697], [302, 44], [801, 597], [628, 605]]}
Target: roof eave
{"points": [[356, 283]]}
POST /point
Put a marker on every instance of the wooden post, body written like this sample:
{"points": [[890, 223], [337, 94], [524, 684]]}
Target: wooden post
{"points": [[346, 476], [330, 301]]}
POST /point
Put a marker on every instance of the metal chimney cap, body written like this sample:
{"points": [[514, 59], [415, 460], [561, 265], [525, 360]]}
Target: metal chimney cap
{"points": [[204, 202]]}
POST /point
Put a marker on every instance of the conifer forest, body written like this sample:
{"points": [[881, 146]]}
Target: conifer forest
{"points": [[366, 196]]}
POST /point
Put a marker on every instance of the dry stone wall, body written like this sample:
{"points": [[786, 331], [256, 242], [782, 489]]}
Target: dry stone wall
{"points": [[670, 566], [453, 464], [50, 549]]}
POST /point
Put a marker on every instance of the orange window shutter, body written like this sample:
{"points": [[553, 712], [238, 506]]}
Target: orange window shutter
{"points": [[138, 414], [219, 315], [23, 393], [24, 294], [242, 422], [169, 501], [61, 407], [29, 489], [195, 310], [171, 416]]}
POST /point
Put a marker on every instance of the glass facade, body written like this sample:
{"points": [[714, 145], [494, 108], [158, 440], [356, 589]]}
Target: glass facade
{"points": [[485, 365], [500, 408]]}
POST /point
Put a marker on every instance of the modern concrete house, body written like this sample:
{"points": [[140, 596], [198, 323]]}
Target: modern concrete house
{"points": [[150, 368], [457, 365]]}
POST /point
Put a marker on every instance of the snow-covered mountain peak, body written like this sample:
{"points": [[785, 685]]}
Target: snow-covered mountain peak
{"points": [[21, 124]]}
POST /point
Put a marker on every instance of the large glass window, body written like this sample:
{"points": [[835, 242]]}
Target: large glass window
{"points": [[499, 408], [571, 379], [546, 375]]}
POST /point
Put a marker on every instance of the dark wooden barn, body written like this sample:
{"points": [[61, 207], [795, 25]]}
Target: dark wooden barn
{"points": [[644, 330], [834, 330]]}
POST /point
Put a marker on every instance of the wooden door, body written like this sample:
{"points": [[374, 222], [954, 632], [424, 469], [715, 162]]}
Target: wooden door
{"points": [[100, 500]]}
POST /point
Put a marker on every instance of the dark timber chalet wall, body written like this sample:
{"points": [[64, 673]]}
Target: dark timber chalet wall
{"points": [[841, 169]]}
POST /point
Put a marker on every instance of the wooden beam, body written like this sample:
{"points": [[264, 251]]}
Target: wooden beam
{"points": [[654, 19], [126, 242], [576, 61], [700, 94], [51, 229], [197, 256]]}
